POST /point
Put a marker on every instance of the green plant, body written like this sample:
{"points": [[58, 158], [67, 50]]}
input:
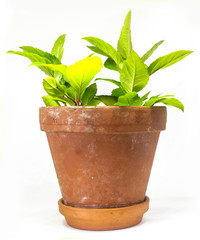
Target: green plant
{"points": [[133, 72], [67, 85], [71, 84]]}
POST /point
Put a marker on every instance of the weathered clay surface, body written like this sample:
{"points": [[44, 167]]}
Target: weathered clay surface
{"points": [[103, 155]]}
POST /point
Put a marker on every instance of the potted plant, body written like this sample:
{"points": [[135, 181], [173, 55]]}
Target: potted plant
{"points": [[102, 154]]}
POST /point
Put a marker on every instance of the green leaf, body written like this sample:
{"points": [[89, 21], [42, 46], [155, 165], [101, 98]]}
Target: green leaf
{"points": [[151, 51], [58, 91], [107, 100], [49, 101], [71, 93], [91, 55], [64, 100], [94, 102], [110, 64], [134, 75], [80, 74], [51, 87], [58, 49], [127, 74], [97, 50], [155, 99], [52, 59], [55, 67], [58, 70], [141, 74], [110, 80], [124, 45], [130, 99], [166, 99], [59, 77], [106, 48], [167, 60], [54, 101], [173, 102], [39, 52], [145, 96], [89, 94], [35, 58], [117, 92]]}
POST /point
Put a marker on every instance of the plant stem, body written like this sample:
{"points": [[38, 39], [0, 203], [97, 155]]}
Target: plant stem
{"points": [[77, 101], [64, 94], [49, 72]]}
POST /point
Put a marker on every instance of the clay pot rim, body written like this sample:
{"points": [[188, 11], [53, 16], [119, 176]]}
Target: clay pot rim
{"points": [[102, 119], [102, 107]]}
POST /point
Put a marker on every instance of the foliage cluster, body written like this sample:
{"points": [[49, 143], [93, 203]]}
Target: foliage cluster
{"points": [[71, 85]]}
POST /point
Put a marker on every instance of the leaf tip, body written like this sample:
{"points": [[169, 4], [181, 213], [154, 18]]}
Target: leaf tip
{"points": [[88, 38], [63, 36], [84, 38], [11, 51]]}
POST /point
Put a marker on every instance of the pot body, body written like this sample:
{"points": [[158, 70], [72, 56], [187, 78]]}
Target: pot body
{"points": [[102, 155]]}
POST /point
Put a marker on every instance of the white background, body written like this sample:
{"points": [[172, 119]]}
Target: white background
{"points": [[28, 186]]}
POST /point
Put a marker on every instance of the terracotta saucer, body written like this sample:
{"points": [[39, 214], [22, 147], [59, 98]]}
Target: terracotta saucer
{"points": [[104, 218]]}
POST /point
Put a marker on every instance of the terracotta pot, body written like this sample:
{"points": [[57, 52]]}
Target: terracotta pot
{"points": [[103, 158]]}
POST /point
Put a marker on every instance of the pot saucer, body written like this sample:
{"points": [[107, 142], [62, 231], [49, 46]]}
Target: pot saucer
{"points": [[104, 218]]}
